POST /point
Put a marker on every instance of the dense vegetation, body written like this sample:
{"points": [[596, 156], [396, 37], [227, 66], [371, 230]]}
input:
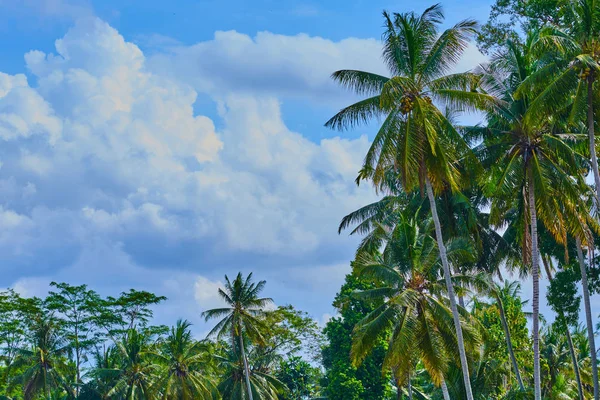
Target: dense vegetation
{"points": [[427, 311]]}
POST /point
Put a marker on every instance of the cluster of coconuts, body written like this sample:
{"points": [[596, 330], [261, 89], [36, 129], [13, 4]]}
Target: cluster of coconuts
{"points": [[585, 72], [407, 102]]}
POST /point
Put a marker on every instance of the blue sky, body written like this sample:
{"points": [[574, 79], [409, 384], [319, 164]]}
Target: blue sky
{"points": [[160, 145]]}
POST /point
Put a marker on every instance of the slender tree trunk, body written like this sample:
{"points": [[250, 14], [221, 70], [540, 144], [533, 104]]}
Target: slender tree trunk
{"points": [[246, 369], [575, 364], [588, 318], [592, 139], [511, 352], [535, 273], [410, 395], [450, 288], [569, 341], [445, 391]]}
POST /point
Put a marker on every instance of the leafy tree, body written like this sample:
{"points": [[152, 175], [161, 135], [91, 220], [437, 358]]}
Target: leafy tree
{"points": [[290, 330], [506, 337], [74, 305], [301, 379], [342, 379], [513, 19]]}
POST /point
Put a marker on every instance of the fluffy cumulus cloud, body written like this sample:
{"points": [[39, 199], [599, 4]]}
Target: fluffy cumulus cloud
{"points": [[111, 175], [297, 66]]}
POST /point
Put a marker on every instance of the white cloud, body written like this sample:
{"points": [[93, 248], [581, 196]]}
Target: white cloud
{"points": [[297, 66], [269, 63], [23, 112]]}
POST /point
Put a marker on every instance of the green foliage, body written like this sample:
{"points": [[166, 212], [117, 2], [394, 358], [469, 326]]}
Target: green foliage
{"points": [[495, 338], [301, 379], [513, 19], [342, 379], [563, 296]]}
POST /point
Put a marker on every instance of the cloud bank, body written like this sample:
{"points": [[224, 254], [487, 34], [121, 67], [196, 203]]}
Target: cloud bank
{"points": [[111, 175]]}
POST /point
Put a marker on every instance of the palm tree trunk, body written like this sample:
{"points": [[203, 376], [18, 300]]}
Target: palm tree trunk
{"points": [[511, 352], [569, 341], [450, 288], [588, 317], [246, 369], [445, 391], [592, 140], [575, 364], [410, 394], [535, 274]]}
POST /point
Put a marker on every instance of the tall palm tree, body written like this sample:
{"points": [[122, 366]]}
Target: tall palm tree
{"points": [[413, 303], [241, 317], [532, 171], [183, 374], [574, 81], [44, 364], [416, 139]]}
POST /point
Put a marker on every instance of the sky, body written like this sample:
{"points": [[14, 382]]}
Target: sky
{"points": [[161, 145]]}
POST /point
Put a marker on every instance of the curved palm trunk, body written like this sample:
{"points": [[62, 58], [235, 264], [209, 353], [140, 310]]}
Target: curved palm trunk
{"points": [[246, 369], [410, 395], [445, 391], [450, 288], [535, 274], [588, 318], [511, 352], [575, 364]]}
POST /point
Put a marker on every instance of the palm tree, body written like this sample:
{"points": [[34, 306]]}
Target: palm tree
{"points": [[241, 317], [413, 304], [510, 289], [574, 77], [556, 354], [183, 374], [45, 362], [417, 140], [133, 376], [532, 171], [263, 385]]}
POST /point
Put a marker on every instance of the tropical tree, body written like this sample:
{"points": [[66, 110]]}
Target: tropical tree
{"points": [[574, 75], [510, 290], [259, 384], [417, 140], [74, 305], [532, 171], [241, 317], [342, 379], [44, 363], [506, 340], [182, 365], [413, 305], [133, 375]]}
